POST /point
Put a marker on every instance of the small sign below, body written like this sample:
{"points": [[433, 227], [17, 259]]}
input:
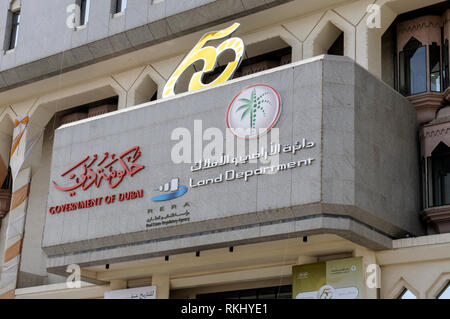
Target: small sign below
{"points": [[134, 293]]}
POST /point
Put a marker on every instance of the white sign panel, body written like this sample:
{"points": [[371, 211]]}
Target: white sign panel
{"points": [[134, 293]]}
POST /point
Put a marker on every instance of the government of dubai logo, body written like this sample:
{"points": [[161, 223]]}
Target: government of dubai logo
{"points": [[254, 111], [171, 189]]}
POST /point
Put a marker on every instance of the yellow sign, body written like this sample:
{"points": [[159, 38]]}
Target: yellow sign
{"points": [[209, 55], [333, 279]]}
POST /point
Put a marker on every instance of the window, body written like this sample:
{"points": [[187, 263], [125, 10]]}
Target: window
{"points": [[407, 294], [119, 6], [85, 6], [337, 48], [445, 67], [87, 110], [445, 293], [423, 183], [14, 33], [435, 68], [413, 68], [395, 63], [440, 176]]}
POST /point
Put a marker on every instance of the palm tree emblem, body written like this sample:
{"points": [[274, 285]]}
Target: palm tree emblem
{"points": [[252, 106]]}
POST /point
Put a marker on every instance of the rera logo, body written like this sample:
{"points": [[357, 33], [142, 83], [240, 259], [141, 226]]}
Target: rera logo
{"points": [[171, 189], [254, 111]]}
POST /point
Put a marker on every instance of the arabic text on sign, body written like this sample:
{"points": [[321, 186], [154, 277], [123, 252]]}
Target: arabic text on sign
{"points": [[91, 171]]}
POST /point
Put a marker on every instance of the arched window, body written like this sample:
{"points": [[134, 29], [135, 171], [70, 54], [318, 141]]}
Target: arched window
{"points": [[440, 175], [12, 26], [435, 68], [85, 6], [337, 48], [118, 6], [407, 294], [413, 68]]}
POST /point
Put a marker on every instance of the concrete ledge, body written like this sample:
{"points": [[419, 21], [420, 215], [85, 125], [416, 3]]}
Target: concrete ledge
{"points": [[242, 221], [439, 239], [345, 227]]}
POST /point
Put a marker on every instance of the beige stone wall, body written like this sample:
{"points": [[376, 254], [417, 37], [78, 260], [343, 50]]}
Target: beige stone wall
{"points": [[421, 265]]}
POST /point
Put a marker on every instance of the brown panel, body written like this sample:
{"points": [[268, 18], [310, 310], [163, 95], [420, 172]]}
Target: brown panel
{"points": [[8, 295], [19, 196], [13, 251]]}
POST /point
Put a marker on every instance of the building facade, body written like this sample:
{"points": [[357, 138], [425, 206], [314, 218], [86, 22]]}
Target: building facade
{"points": [[116, 170]]}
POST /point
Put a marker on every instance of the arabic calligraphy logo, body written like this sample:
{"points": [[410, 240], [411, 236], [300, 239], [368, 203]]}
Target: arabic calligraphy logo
{"points": [[90, 173], [209, 55], [254, 111], [326, 292], [173, 187]]}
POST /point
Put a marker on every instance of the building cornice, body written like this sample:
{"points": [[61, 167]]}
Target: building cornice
{"points": [[438, 132], [420, 23], [439, 217]]}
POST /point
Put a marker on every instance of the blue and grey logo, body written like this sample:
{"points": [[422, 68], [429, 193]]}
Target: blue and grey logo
{"points": [[173, 187]]}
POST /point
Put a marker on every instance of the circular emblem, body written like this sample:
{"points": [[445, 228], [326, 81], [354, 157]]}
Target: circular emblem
{"points": [[254, 111]]}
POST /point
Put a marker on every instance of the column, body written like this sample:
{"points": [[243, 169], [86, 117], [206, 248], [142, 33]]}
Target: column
{"points": [[162, 283], [14, 234], [369, 258]]}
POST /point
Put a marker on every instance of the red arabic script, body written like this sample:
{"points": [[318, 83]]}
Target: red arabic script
{"points": [[111, 168]]}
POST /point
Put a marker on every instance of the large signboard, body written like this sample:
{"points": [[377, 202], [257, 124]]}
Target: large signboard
{"points": [[128, 174], [335, 279], [275, 155]]}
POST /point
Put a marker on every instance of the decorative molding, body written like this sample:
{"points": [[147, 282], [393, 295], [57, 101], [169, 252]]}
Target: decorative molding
{"points": [[434, 133], [426, 29], [438, 217], [438, 286], [446, 94], [409, 28], [309, 46], [426, 104], [398, 288]]}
